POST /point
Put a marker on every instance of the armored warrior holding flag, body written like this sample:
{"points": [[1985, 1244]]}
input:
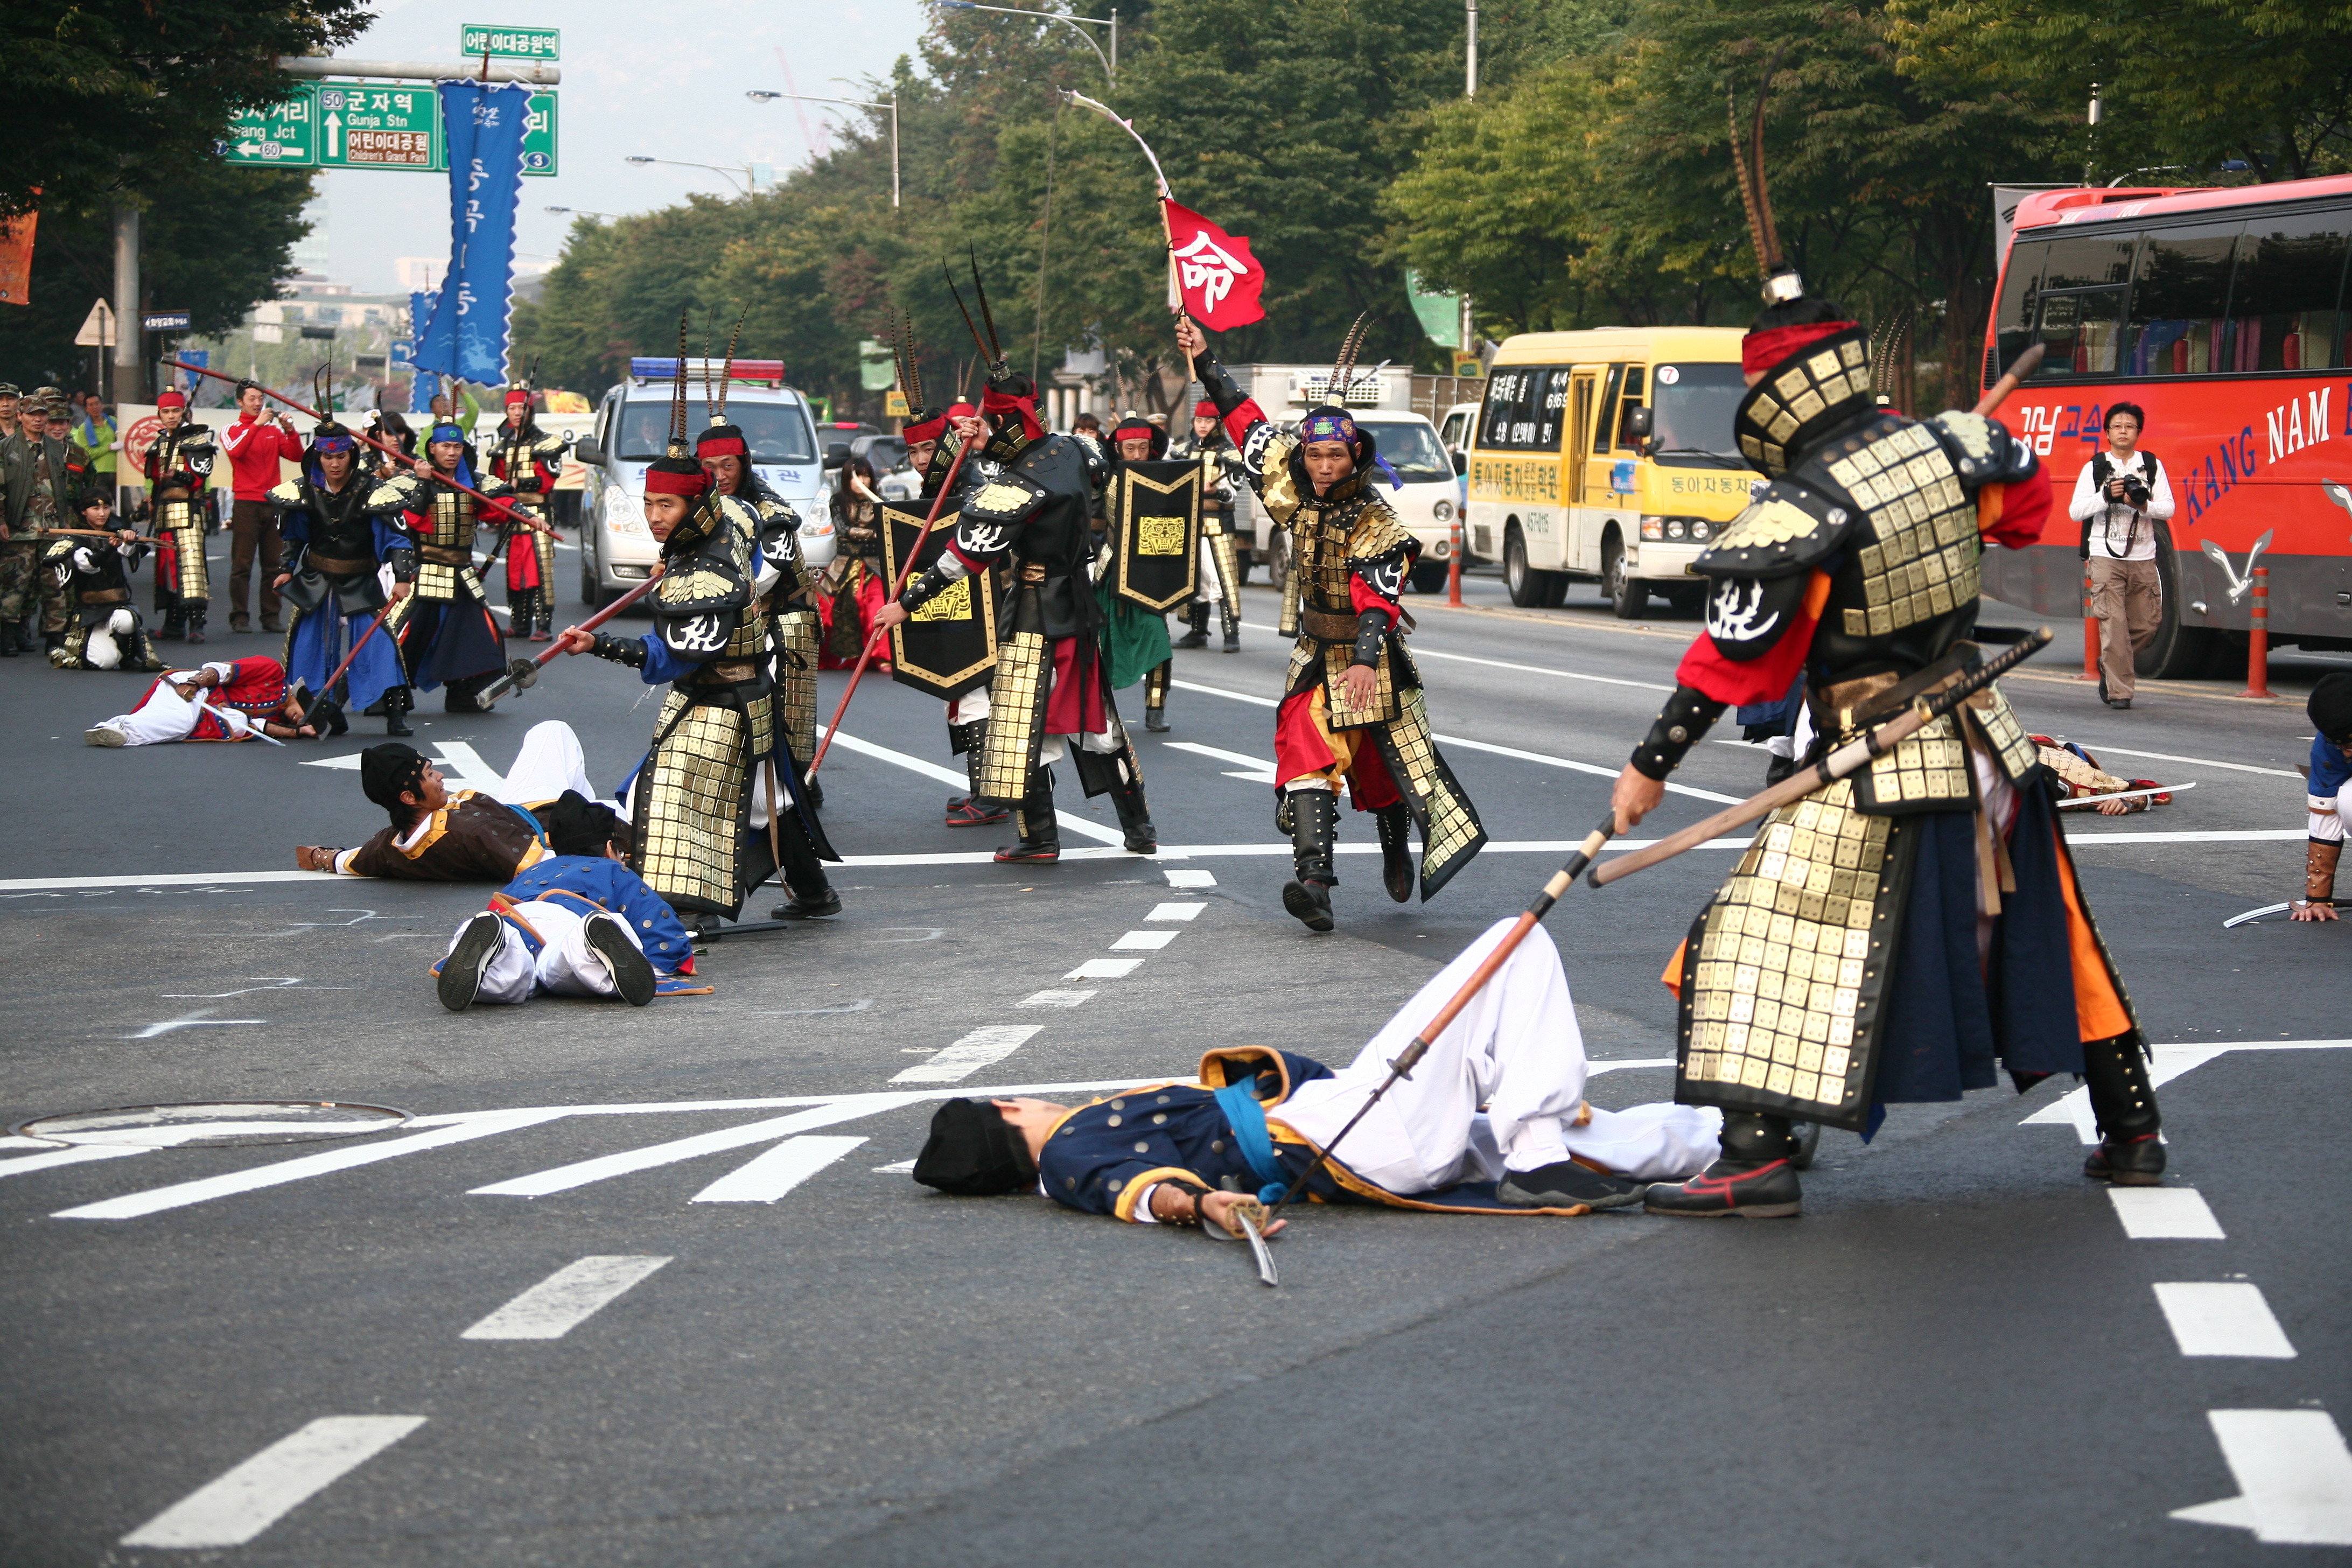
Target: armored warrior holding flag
{"points": [[1894, 935]]}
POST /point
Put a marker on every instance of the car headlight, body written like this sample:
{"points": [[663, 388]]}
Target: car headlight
{"points": [[1700, 527], [1675, 529], [622, 515], [819, 544], [1654, 528], [1443, 511]]}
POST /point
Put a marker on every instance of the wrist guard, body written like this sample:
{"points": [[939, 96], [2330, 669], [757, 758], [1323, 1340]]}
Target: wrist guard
{"points": [[933, 582], [1685, 718], [1372, 631], [1218, 385], [2319, 858], [403, 565], [620, 650]]}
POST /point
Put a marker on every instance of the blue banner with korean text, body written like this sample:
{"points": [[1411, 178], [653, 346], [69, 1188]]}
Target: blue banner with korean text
{"points": [[421, 381], [466, 335]]}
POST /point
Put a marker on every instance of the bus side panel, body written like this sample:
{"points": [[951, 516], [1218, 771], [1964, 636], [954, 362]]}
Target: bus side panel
{"points": [[2245, 456]]}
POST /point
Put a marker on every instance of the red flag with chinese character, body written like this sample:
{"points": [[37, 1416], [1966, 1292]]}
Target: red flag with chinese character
{"points": [[1211, 273]]}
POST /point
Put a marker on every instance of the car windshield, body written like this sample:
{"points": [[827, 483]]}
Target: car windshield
{"points": [[1411, 449], [1691, 422], [778, 432]]}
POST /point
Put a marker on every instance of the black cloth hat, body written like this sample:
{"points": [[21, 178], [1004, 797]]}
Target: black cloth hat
{"points": [[579, 826], [388, 769], [2331, 707], [974, 1152]]}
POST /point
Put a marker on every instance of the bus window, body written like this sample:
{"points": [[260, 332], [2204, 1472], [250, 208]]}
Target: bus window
{"points": [[1522, 413], [1608, 421], [1691, 418], [2014, 317], [2079, 301], [2180, 301], [2288, 306], [1583, 423], [1631, 400]]}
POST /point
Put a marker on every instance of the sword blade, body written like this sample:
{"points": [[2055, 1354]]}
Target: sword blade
{"points": [[2122, 794], [1245, 1216]]}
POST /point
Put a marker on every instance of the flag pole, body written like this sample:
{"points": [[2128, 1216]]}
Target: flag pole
{"points": [[1167, 231]]}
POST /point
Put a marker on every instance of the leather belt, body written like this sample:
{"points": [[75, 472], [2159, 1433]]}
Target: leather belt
{"points": [[1325, 627], [106, 596], [336, 565], [1032, 571], [729, 672], [444, 555]]}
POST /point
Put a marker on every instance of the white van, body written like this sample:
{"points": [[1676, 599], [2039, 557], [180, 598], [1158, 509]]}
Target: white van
{"points": [[1431, 498], [632, 430]]}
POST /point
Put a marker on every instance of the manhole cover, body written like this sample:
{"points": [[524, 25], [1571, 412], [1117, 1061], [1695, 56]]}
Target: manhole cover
{"points": [[214, 1124]]}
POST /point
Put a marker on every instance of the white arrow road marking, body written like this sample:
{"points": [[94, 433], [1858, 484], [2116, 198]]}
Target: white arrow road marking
{"points": [[579, 1174], [2294, 1474], [2165, 1214], [1070, 822], [180, 1194], [968, 1055], [2074, 1108], [1256, 770], [458, 760], [777, 1172], [564, 1299], [2224, 1318], [259, 1492]]}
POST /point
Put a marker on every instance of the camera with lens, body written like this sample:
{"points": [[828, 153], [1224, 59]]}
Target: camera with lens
{"points": [[2135, 492]]}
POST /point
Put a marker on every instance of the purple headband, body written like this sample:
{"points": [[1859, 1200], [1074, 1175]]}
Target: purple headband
{"points": [[1329, 427], [335, 444]]}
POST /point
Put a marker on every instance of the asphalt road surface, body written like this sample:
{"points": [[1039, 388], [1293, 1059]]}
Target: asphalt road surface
{"points": [[653, 1287]]}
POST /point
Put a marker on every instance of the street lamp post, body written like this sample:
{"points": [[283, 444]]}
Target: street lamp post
{"points": [[1110, 61], [744, 184], [762, 95]]}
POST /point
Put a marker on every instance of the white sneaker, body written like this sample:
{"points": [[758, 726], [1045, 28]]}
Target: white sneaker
{"points": [[105, 735]]}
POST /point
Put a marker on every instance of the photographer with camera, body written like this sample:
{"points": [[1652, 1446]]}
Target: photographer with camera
{"points": [[2119, 498]]}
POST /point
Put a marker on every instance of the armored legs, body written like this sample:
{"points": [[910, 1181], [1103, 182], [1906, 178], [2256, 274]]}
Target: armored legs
{"points": [[1313, 821], [1040, 838], [968, 810], [1155, 696]]}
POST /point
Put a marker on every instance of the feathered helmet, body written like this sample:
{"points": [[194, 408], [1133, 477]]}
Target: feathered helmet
{"points": [[1010, 402], [719, 438], [331, 435], [676, 472], [1814, 358], [1331, 421], [924, 423]]}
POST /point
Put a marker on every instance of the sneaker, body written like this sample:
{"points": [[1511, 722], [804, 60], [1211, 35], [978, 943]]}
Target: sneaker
{"points": [[1309, 902], [633, 974], [802, 909], [1769, 1191], [1566, 1185], [2131, 1163], [105, 735], [468, 961]]}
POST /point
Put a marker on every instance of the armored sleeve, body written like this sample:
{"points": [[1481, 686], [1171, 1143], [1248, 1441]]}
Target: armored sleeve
{"points": [[983, 535], [1687, 716]]}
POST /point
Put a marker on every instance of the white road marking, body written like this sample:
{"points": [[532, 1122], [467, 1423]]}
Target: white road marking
{"points": [[2224, 1318], [1254, 769], [605, 1167], [2198, 761], [2077, 839], [897, 1168], [202, 1018], [968, 1055], [1104, 969], [1175, 911], [1084, 826], [27, 1164], [1420, 652], [464, 765], [180, 1194], [259, 1492], [565, 1298], [2294, 1475], [1470, 746], [769, 1175], [2165, 1214], [1143, 941], [172, 879], [1056, 998], [2074, 1108], [1179, 878]]}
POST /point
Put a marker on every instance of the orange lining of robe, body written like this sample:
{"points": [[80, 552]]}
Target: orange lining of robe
{"points": [[2099, 1012]]}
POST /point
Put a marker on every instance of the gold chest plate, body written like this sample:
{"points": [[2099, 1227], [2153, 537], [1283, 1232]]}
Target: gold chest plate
{"points": [[1922, 561], [452, 520]]}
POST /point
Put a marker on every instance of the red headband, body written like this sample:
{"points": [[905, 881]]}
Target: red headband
{"points": [[517, 394], [721, 446], [171, 400], [930, 430], [994, 401], [661, 482], [1205, 409], [1762, 351]]}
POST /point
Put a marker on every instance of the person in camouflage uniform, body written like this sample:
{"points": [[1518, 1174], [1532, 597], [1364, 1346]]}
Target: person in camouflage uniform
{"points": [[17, 562]]}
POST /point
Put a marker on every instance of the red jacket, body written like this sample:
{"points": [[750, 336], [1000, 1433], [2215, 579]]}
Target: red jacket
{"points": [[254, 448]]}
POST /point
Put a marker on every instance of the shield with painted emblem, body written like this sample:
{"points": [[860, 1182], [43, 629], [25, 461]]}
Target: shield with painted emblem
{"points": [[1155, 535], [949, 646]]}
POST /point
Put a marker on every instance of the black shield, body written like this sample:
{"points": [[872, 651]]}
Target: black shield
{"points": [[1158, 539], [949, 646]]}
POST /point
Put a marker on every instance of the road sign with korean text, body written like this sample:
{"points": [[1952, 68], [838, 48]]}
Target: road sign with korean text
{"points": [[510, 42]]}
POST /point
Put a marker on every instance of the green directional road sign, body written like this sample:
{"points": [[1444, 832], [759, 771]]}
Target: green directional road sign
{"points": [[285, 135], [513, 43], [363, 127], [539, 135]]}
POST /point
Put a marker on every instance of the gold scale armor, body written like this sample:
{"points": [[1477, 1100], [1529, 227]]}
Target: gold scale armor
{"points": [[1327, 538], [798, 632], [445, 539], [177, 508], [515, 455]]}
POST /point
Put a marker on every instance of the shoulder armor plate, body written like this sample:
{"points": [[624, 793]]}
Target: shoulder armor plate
{"points": [[401, 492], [1981, 449], [286, 493], [1005, 498], [1786, 530]]}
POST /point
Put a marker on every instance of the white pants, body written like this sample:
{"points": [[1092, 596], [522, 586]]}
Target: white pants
{"points": [[1211, 590], [2330, 817], [565, 965], [167, 716], [550, 763], [1516, 1051]]}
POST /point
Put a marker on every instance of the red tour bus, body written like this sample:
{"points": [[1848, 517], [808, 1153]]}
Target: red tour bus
{"points": [[2224, 313]]}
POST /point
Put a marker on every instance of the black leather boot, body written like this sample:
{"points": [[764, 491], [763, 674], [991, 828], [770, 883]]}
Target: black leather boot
{"points": [[1754, 1178], [1155, 697], [195, 624], [1197, 617], [1313, 821], [1396, 850], [397, 702], [543, 604], [1230, 616], [175, 624], [2130, 1154], [970, 810], [1040, 838], [1134, 813]]}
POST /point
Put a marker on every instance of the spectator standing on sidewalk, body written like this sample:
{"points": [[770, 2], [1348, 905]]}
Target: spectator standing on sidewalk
{"points": [[2119, 498], [98, 434], [256, 444]]}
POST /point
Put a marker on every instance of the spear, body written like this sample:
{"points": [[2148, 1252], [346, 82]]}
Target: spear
{"points": [[523, 673]]}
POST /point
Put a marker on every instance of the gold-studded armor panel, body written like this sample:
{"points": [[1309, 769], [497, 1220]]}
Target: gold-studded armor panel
{"points": [[1997, 726], [690, 805], [1784, 977], [1802, 399], [1928, 771], [1918, 556], [1224, 555], [449, 523], [441, 580], [1016, 716], [185, 524], [797, 635], [1451, 833]]}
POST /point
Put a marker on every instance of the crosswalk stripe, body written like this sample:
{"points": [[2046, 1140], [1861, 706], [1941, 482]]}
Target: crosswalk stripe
{"points": [[256, 1494], [581, 1173], [777, 1171], [565, 1298]]}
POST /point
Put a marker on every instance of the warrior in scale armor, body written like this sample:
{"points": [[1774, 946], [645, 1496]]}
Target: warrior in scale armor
{"points": [[178, 466], [337, 552], [530, 459], [1221, 563], [444, 626]]}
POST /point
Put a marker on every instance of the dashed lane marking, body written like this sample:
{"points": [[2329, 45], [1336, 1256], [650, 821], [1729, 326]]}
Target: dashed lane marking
{"points": [[1175, 911], [2294, 1475], [777, 1172], [1056, 998], [1179, 876], [264, 1490], [1143, 941], [2222, 1317], [2165, 1214], [976, 1051], [1104, 969], [566, 1298], [2196, 761], [605, 1167]]}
